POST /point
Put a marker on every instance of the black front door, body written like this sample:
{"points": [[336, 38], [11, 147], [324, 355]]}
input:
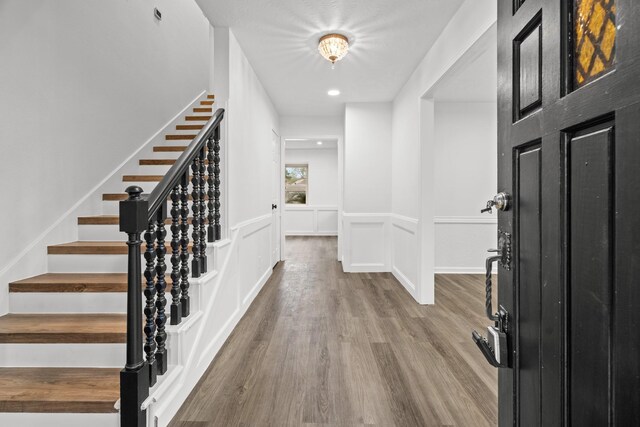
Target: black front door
{"points": [[569, 156]]}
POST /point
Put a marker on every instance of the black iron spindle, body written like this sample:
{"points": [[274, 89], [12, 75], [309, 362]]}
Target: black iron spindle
{"points": [[210, 233], [134, 378], [195, 220], [202, 211], [161, 285], [176, 306], [150, 306], [217, 232], [184, 244]]}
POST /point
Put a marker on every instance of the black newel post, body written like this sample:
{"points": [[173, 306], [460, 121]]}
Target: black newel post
{"points": [[134, 378], [203, 210], [176, 306], [161, 285], [217, 232]]}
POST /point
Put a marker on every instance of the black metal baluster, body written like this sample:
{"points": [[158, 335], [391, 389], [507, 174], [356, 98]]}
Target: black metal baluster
{"points": [[184, 244], [176, 306], [150, 307], [195, 221], [134, 378], [161, 285], [202, 212], [217, 232]]}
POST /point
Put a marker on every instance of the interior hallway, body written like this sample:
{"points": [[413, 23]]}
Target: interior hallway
{"points": [[321, 347]]}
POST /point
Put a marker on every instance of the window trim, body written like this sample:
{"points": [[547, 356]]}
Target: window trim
{"points": [[296, 165]]}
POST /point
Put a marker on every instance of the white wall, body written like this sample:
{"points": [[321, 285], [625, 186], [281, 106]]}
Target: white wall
{"points": [[83, 85], [465, 178], [367, 187], [320, 215], [311, 126], [413, 148], [251, 120]]}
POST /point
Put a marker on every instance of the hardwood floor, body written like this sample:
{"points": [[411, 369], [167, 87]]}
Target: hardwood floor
{"points": [[319, 347]]}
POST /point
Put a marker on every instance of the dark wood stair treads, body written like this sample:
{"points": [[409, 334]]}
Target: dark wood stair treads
{"points": [[59, 390], [169, 148], [211, 97], [110, 197], [97, 248], [208, 102], [111, 220], [203, 110], [63, 328], [160, 162], [72, 282], [189, 127], [178, 137], [197, 118], [144, 178]]}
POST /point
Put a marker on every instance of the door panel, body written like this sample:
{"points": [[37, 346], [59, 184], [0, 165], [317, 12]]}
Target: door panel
{"points": [[529, 284], [568, 80], [590, 282]]}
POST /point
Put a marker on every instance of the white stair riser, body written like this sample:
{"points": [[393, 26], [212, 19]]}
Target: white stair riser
{"points": [[68, 302], [63, 355], [113, 207], [21, 419], [112, 233], [164, 154], [153, 169], [88, 263]]}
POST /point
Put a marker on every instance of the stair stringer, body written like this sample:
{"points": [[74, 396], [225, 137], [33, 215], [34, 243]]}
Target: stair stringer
{"points": [[199, 345]]}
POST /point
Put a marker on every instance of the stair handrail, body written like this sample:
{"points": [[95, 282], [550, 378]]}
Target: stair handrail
{"points": [[160, 194], [141, 213]]}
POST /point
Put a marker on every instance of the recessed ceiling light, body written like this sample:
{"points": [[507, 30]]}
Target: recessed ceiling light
{"points": [[333, 92], [319, 142]]}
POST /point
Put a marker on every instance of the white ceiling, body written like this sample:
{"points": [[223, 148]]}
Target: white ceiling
{"points": [[389, 38]]}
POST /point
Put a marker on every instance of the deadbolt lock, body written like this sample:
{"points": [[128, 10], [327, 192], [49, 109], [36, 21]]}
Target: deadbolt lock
{"points": [[501, 201]]}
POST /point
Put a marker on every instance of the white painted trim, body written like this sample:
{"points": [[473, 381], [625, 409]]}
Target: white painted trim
{"points": [[459, 270], [314, 209], [404, 280], [465, 220]]}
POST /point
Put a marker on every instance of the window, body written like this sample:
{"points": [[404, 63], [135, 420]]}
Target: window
{"points": [[296, 178]]}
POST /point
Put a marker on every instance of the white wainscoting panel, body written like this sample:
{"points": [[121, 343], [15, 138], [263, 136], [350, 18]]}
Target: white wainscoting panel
{"points": [[367, 245], [310, 220], [404, 254], [462, 243]]}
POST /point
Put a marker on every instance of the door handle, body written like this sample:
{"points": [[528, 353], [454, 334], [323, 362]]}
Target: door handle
{"points": [[274, 206], [494, 347]]}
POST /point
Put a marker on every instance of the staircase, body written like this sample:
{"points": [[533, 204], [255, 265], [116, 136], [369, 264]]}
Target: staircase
{"points": [[64, 342]]}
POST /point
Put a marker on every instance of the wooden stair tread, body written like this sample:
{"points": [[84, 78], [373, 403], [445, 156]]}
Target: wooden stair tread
{"points": [[189, 127], [123, 196], [160, 162], [72, 282], [100, 248], [211, 97], [207, 102], [198, 118], [169, 148], [63, 328], [203, 110], [144, 178], [179, 137], [109, 220], [59, 390]]}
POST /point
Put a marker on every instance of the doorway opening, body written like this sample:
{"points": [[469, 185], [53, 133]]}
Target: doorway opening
{"points": [[311, 180]]}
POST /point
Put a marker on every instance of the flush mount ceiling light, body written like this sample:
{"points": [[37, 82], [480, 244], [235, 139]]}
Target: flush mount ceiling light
{"points": [[333, 92], [333, 47], [319, 142]]}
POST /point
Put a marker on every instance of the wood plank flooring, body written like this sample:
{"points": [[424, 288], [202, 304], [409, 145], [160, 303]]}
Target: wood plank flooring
{"points": [[319, 347]]}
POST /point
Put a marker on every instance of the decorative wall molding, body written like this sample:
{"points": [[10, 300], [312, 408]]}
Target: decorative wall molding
{"points": [[310, 220], [465, 220]]}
